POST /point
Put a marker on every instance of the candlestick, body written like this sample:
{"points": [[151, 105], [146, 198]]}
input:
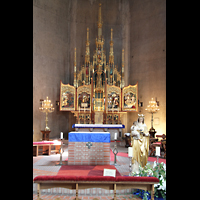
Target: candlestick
{"points": [[130, 166], [61, 135], [115, 152], [115, 137], [46, 107], [61, 150], [157, 151], [130, 151]]}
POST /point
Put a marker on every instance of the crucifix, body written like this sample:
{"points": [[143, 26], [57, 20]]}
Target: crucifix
{"points": [[89, 144]]}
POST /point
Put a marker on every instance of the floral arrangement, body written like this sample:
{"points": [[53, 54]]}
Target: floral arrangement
{"points": [[157, 170]]}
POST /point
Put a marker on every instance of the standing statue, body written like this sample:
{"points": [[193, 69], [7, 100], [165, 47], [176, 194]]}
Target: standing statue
{"points": [[140, 143]]}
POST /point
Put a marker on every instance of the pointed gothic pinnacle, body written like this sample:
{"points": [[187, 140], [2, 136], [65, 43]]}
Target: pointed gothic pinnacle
{"points": [[99, 17], [99, 13], [87, 34], [75, 57], [122, 56]]}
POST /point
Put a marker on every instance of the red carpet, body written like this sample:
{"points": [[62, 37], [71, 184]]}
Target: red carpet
{"points": [[85, 170], [152, 159]]}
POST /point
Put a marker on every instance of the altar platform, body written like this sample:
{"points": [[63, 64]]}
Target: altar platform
{"points": [[46, 165]]}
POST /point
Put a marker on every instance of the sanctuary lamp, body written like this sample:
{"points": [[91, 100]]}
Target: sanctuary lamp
{"points": [[47, 107], [152, 108]]}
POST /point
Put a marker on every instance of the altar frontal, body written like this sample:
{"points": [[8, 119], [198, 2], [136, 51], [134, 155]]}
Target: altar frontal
{"points": [[89, 148]]}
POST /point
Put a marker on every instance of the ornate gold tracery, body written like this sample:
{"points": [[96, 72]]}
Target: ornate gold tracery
{"points": [[98, 91]]}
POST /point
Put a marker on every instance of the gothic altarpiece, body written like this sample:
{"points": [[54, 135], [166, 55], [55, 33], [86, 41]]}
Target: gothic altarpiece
{"points": [[98, 95]]}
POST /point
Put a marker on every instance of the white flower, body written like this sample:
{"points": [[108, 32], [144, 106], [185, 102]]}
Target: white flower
{"points": [[164, 185], [164, 166], [155, 185]]}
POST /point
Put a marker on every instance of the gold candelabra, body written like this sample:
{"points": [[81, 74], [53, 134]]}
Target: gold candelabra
{"points": [[152, 108], [47, 107]]}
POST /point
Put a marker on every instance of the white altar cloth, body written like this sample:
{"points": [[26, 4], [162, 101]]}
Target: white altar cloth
{"points": [[98, 126]]}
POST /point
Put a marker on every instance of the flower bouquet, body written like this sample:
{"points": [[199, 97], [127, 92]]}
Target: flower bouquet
{"points": [[157, 170]]}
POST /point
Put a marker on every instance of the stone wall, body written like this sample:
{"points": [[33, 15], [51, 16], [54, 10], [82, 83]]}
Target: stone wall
{"points": [[59, 26], [50, 62], [148, 58]]}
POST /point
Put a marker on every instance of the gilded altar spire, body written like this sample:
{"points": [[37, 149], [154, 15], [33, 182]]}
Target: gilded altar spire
{"points": [[87, 51], [122, 82], [99, 23], [75, 83], [111, 53]]}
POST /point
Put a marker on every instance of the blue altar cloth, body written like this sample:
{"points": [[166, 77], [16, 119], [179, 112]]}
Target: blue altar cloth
{"points": [[89, 137], [98, 126]]}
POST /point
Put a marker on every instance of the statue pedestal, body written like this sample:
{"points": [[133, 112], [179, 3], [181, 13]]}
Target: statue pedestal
{"points": [[45, 135], [127, 140], [135, 167], [152, 132]]}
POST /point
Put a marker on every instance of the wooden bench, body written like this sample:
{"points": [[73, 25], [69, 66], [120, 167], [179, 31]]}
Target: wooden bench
{"points": [[45, 147], [161, 144], [105, 182]]}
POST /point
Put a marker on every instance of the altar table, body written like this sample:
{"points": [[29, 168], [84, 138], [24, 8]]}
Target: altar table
{"points": [[111, 128], [89, 148]]}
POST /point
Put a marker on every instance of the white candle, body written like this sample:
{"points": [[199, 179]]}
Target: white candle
{"points": [[157, 151], [130, 151], [61, 135], [115, 137]]}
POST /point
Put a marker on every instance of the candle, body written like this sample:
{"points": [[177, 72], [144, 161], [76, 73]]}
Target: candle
{"points": [[61, 135], [115, 137], [157, 151], [130, 151]]}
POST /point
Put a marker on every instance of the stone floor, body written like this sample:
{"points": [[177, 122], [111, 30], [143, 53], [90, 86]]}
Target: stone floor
{"points": [[46, 165]]}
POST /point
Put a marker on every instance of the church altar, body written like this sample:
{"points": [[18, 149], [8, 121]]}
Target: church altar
{"points": [[111, 128], [89, 148], [99, 99]]}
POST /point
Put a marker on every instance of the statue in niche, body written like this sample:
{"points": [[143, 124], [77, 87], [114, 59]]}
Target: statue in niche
{"points": [[140, 143]]}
